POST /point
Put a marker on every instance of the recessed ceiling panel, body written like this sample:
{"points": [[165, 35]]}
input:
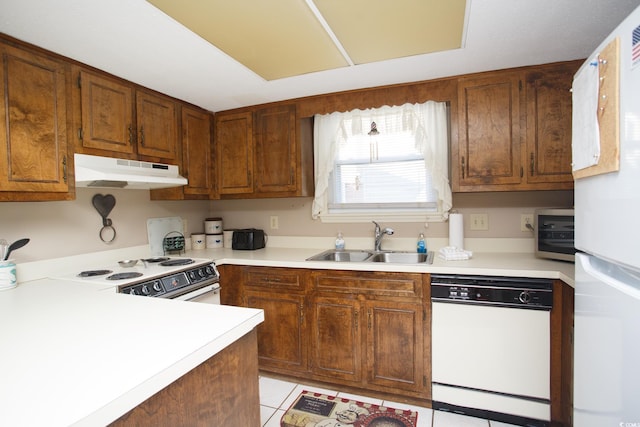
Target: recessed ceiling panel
{"points": [[375, 30], [275, 39]]}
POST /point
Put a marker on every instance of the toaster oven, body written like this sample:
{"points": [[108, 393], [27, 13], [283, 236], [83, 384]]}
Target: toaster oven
{"points": [[554, 231]]}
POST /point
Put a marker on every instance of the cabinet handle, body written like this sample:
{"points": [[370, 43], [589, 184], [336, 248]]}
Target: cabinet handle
{"points": [[131, 137], [301, 313], [532, 165], [355, 314], [462, 167], [64, 168], [142, 135], [369, 319]]}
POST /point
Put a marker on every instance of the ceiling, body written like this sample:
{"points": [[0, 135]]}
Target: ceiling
{"points": [[286, 38], [136, 41]]}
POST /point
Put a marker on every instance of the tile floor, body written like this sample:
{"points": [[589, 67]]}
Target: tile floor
{"points": [[276, 396]]}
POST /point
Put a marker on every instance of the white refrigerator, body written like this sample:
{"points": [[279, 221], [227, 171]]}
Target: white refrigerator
{"points": [[607, 232]]}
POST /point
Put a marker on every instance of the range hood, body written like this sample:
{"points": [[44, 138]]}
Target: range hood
{"points": [[107, 172]]}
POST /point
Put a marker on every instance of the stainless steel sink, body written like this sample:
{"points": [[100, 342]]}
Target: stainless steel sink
{"points": [[365, 256], [341, 256], [402, 257]]}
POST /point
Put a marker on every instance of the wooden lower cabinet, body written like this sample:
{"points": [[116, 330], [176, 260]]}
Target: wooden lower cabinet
{"points": [[377, 344], [282, 337], [395, 345], [359, 330], [222, 391], [336, 338]]}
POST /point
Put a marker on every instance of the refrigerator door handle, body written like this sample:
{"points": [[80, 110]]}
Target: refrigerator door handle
{"points": [[611, 274]]}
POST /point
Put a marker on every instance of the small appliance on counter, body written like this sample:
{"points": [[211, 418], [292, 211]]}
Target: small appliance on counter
{"points": [[248, 239], [554, 231]]}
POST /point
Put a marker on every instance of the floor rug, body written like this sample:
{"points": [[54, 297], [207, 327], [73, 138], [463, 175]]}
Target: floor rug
{"points": [[319, 410]]}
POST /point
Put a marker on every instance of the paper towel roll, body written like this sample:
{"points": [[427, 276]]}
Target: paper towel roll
{"points": [[456, 230]]}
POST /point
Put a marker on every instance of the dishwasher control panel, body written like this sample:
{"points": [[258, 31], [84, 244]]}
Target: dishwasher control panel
{"points": [[496, 291]]}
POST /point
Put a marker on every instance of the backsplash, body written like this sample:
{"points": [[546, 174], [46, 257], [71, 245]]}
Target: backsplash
{"points": [[59, 229]]}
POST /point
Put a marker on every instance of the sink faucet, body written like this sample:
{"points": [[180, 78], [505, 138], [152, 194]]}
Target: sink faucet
{"points": [[379, 234]]}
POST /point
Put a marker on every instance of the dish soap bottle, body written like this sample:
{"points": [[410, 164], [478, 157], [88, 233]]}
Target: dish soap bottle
{"points": [[339, 242], [422, 246]]}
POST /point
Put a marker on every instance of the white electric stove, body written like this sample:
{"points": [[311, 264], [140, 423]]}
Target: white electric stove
{"points": [[160, 277]]}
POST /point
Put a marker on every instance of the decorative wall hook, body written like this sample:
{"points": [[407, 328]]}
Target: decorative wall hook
{"points": [[104, 205]]}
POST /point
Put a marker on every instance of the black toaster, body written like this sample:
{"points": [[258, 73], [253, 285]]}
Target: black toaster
{"points": [[248, 239]]}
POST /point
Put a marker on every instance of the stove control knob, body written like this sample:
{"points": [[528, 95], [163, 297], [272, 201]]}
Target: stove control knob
{"points": [[133, 291], [145, 290], [202, 272], [525, 297], [156, 286]]}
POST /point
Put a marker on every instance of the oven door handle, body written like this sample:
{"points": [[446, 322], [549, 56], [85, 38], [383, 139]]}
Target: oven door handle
{"points": [[215, 288]]}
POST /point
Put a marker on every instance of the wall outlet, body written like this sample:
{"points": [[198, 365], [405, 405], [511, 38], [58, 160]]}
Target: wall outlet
{"points": [[273, 220], [526, 221], [479, 221]]}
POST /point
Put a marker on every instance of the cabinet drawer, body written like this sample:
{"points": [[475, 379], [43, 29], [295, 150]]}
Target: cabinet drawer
{"points": [[268, 277], [371, 283]]}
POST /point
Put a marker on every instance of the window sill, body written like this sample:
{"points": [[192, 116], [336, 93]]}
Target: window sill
{"points": [[362, 217]]}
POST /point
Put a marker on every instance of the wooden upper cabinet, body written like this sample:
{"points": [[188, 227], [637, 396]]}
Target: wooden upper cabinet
{"points": [[107, 118], [549, 110], [33, 125], [489, 132], [157, 126], [515, 130], [234, 148], [276, 149], [196, 151]]}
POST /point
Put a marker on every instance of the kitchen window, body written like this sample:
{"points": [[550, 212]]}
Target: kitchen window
{"points": [[388, 163]]}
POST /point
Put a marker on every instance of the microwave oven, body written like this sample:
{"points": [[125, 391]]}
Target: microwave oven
{"points": [[554, 231]]}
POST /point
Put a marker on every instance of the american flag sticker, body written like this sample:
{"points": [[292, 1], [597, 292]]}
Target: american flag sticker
{"points": [[635, 47]]}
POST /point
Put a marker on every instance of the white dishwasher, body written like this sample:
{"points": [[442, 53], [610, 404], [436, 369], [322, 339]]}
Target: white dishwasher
{"points": [[490, 343]]}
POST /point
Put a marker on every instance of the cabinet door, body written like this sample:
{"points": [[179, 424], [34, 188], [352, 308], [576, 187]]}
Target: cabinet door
{"points": [[33, 122], [489, 137], [107, 114], [196, 151], [276, 150], [548, 157], [282, 337], [157, 121], [395, 341], [336, 338], [234, 148]]}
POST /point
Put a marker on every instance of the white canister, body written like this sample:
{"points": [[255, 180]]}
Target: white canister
{"points": [[198, 241], [8, 277], [228, 238], [214, 241], [213, 226]]}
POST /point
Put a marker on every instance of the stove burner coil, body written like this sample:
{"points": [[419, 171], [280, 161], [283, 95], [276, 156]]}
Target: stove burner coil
{"points": [[176, 262], [93, 273], [122, 276], [157, 259]]}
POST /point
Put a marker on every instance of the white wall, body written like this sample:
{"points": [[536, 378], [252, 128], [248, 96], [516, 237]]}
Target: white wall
{"points": [[58, 229]]}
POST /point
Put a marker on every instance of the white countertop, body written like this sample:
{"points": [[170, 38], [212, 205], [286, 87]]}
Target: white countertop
{"points": [[482, 263], [75, 355]]}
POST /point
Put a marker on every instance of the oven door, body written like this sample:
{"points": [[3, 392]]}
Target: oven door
{"points": [[209, 294]]}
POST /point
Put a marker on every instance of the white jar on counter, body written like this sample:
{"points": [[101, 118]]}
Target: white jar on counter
{"points": [[198, 241], [213, 226], [228, 238], [214, 241]]}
